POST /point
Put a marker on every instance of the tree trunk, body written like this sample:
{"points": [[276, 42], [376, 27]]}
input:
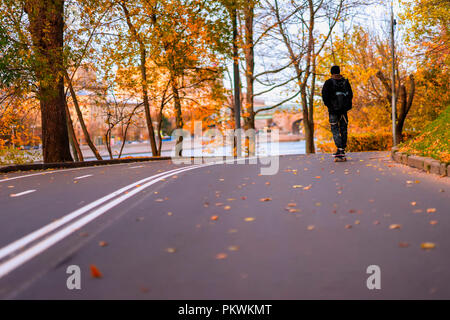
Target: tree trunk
{"points": [[308, 117], [178, 114], [249, 119], [148, 116], [87, 137], [406, 100], [46, 26], [144, 85], [78, 155]]}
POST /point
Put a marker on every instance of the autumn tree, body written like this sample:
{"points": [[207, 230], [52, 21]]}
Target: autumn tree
{"points": [[46, 27], [303, 46]]}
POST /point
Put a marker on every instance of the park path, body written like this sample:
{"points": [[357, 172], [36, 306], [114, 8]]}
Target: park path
{"points": [[225, 231]]}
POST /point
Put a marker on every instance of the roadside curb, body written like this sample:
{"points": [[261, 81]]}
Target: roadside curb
{"points": [[428, 165], [63, 165]]}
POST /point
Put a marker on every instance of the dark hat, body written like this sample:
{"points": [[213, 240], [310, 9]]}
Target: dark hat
{"points": [[335, 70]]}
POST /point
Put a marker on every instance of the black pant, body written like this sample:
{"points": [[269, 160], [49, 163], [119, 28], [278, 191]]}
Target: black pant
{"points": [[338, 123]]}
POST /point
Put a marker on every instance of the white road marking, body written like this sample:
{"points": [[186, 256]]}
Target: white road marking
{"points": [[13, 195], [61, 170], [5, 251], [41, 246], [21, 258], [82, 177], [136, 167]]}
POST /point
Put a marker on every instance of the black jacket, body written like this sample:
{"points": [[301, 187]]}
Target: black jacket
{"points": [[328, 91]]}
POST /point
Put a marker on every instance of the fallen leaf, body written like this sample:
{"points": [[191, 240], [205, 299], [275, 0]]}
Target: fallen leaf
{"points": [[348, 226], [233, 248], [317, 177], [169, 213], [232, 231], [214, 218], [297, 186], [311, 227], [433, 222], [171, 250], [292, 204], [226, 208], [159, 200], [427, 245], [357, 222], [431, 210], [265, 199], [95, 273], [103, 243], [244, 198], [403, 244], [394, 226], [293, 210], [307, 187], [249, 219], [413, 203], [376, 222], [221, 256]]}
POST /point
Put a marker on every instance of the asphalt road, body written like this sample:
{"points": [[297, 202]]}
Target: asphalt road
{"points": [[205, 232]]}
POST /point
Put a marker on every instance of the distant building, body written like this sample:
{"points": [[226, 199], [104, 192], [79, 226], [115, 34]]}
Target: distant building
{"points": [[285, 118]]}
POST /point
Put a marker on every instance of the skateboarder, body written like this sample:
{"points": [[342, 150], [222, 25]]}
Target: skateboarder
{"points": [[337, 95]]}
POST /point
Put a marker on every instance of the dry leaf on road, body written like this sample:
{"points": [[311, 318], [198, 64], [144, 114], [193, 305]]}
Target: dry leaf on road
{"points": [[427, 245], [221, 256], [403, 244], [95, 273]]}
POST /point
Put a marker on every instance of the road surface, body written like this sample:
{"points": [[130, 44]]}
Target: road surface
{"points": [[225, 231]]}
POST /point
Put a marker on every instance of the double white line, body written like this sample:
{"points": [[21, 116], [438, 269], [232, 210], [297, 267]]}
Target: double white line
{"points": [[22, 250]]}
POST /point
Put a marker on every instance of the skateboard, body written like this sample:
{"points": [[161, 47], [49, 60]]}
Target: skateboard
{"points": [[340, 159]]}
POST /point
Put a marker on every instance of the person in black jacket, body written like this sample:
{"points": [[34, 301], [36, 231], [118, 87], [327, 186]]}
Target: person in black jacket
{"points": [[337, 96]]}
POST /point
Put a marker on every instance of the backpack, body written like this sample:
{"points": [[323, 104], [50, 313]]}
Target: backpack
{"points": [[341, 102]]}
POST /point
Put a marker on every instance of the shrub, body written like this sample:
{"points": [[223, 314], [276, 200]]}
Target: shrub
{"points": [[10, 155], [434, 141]]}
